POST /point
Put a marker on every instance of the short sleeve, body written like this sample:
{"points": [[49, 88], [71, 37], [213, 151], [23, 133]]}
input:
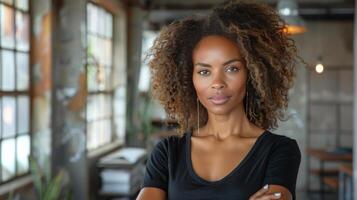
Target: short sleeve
{"points": [[283, 165], [156, 172]]}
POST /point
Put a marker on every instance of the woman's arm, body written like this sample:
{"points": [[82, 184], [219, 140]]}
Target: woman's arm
{"points": [[285, 193], [282, 170], [156, 176], [149, 193], [272, 192]]}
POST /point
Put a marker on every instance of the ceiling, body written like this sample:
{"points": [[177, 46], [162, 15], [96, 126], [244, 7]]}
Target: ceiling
{"points": [[202, 3], [164, 11]]}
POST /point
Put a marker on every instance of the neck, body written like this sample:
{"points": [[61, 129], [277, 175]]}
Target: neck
{"points": [[221, 127]]}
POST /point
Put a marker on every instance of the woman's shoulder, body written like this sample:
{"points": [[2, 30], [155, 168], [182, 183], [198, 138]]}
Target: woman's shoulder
{"points": [[172, 141], [278, 138], [283, 144]]}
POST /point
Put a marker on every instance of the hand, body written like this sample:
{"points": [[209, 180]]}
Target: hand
{"points": [[263, 194]]}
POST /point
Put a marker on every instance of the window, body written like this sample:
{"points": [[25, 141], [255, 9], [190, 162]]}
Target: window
{"points": [[144, 78], [14, 89], [100, 115]]}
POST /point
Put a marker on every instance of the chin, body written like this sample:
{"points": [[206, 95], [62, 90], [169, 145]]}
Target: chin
{"points": [[219, 110]]}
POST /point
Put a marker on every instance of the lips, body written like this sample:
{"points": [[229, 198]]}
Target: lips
{"points": [[219, 99]]}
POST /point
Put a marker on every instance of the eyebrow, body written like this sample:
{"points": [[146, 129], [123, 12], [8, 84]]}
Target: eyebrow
{"points": [[226, 63]]}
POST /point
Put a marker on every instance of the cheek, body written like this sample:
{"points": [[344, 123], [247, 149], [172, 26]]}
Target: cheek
{"points": [[240, 88], [240, 85], [238, 81], [200, 86]]}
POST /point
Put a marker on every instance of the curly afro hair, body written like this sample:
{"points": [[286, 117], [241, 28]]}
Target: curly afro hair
{"points": [[270, 57]]}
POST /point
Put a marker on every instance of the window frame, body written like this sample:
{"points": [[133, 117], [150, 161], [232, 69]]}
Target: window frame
{"points": [[97, 93], [15, 93]]}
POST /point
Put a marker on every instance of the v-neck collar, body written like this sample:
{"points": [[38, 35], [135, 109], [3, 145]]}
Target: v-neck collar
{"points": [[234, 170]]}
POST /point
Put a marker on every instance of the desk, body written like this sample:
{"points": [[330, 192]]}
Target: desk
{"points": [[325, 156], [121, 173], [345, 180]]}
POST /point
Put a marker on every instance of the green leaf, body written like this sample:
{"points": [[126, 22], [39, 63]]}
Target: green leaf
{"points": [[69, 195], [11, 196], [47, 171], [36, 176], [54, 187]]}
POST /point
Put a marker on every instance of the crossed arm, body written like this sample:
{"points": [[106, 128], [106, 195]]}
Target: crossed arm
{"points": [[150, 193]]}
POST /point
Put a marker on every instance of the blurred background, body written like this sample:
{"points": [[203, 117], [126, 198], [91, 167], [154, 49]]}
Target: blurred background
{"points": [[77, 118]]}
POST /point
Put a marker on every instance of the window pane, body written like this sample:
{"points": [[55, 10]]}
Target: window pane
{"points": [[101, 78], [8, 159], [91, 108], [92, 18], [109, 25], [22, 4], [95, 51], [108, 79], [107, 128], [7, 27], [119, 123], [100, 136], [101, 52], [144, 79], [23, 152], [108, 106], [8, 70], [92, 78], [107, 52], [99, 69], [23, 114], [120, 92], [100, 105], [89, 18], [8, 116], [22, 31], [99, 126], [119, 107], [22, 72], [93, 132], [101, 20], [91, 49], [104, 103]]}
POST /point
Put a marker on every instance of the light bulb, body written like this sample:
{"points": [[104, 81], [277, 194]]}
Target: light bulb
{"points": [[319, 68]]}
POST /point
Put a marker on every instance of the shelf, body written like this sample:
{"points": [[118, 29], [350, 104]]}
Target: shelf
{"points": [[330, 131], [328, 172], [331, 181], [329, 102]]}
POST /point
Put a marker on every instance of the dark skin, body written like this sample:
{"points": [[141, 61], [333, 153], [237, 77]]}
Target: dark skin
{"points": [[219, 77]]}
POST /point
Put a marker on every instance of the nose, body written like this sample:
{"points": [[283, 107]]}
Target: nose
{"points": [[217, 86], [218, 83]]}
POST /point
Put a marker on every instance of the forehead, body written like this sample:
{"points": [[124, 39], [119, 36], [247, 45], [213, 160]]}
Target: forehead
{"points": [[216, 46]]}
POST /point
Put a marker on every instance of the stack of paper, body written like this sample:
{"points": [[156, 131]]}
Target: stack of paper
{"points": [[122, 171]]}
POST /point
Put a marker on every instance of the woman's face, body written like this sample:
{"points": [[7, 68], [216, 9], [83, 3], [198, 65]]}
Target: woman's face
{"points": [[219, 75]]}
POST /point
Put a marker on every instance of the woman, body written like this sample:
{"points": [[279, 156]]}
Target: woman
{"points": [[225, 78]]}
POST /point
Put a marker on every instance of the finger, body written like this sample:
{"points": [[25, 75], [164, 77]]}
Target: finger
{"points": [[260, 192], [276, 195]]}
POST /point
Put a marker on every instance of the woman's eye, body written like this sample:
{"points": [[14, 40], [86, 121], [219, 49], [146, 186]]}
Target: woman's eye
{"points": [[232, 69], [203, 72]]}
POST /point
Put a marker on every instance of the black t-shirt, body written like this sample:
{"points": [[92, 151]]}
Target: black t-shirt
{"points": [[273, 159]]}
